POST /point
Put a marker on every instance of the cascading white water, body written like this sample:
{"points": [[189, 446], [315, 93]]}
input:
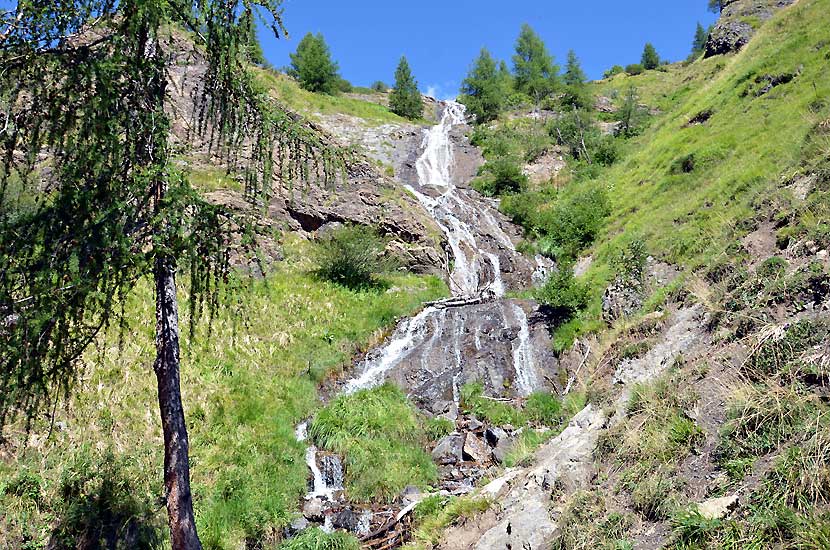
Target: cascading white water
{"points": [[476, 272], [468, 277]]}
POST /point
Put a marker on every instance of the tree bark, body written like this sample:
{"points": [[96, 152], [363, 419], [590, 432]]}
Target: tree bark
{"points": [[176, 461]]}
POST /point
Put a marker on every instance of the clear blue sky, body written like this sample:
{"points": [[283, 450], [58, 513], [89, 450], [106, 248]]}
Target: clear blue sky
{"points": [[441, 38]]}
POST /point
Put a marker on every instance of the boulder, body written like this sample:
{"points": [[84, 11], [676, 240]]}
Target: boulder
{"points": [[475, 449], [500, 451], [313, 509], [347, 520], [494, 435], [296, 527], [449, 449]]}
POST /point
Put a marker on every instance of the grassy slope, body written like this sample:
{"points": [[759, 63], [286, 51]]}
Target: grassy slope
{"points": [[245, 387], [748, 151], [314, 105]]}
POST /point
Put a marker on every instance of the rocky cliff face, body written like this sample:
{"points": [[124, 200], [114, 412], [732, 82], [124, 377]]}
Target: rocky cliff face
{"points": [[366, 195], [738, 22]]}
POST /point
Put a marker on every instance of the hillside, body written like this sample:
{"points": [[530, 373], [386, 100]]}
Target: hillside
{"points": [[593, 327]]}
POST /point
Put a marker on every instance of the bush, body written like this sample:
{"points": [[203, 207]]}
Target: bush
{"points": [[501, 176], [562, 296], [380, 86], [573, 222], [351, 255], [495, 412], [382, 438], [613, 71], [634, 69]]}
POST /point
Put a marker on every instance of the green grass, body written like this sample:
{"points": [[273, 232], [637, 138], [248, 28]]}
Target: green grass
{"points": [[245, 385], [314, 105], [383, 438], [435, 513]]}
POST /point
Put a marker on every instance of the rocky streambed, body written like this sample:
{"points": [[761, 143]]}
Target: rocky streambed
{"points": [[477, 335]]}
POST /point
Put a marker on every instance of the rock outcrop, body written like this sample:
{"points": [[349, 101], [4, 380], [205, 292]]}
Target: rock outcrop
{"points": [[738, 21], [365, 195]]}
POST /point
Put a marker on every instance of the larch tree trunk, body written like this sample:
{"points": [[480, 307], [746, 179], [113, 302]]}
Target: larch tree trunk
{"points": [[176, 460]]}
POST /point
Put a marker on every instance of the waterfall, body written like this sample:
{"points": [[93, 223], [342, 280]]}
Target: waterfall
{"points": [[465, 219]]}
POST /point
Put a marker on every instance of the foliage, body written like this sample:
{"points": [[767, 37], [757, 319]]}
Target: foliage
{"points": [[483, 91], [381, 436], [501, 176], [562, 295], [577, 94], [351, 255], [650, 59], [248, 385], [613, 71], [535, 72], [313, 66], [634, 69], [573, 221], [699, 42], [405, 99], [760, 418], [587, 524], [437, 512], [380, 86], [317, 539], [630, 113], [716, 6]]}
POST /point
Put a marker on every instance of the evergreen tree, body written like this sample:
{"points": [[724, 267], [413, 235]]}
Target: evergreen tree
{"points": [[405, 99], [84, 85], [699, 42], [505, 79], [482, 92], [650, 59], [313, 67], [535, 72], [576, 92], [716, 6], [380, 86]]}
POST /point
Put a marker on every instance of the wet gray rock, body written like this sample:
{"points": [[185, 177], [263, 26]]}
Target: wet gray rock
{"points": [[296, 527], [735, 27], [346, 519], [313, 509], [449, 449]]}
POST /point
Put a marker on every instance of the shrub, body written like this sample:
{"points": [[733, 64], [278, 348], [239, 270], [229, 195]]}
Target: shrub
{"points": [[760, 418], [351, 255], [501, 176], [495, 412], [634, 69], [562, 296], [613, 71], [101, 501], [380, 86], [573, 221]]}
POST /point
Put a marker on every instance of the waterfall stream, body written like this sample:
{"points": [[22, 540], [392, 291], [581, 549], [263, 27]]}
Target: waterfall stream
{"points": [[466, 220]]}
